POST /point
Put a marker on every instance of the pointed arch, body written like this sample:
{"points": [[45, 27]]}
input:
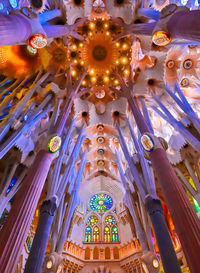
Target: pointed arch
{"points": [[96, 253], [116, 252], [107, 253], [87, 253]]}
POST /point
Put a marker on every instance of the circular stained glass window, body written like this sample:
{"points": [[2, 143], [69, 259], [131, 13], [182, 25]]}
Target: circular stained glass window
{"points": [[101, 202], [110, 220], [92, 220]]}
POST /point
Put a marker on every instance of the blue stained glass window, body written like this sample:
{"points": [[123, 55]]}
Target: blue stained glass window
{"points": [[12, 183], [88, 234], [1, 6], [101, 202]]}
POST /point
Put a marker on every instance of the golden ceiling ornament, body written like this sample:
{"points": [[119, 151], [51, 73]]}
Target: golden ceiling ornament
{"points": [[99, 53]]}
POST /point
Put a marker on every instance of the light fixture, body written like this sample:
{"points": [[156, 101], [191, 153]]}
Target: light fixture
{"points": [[124, 60], [83, 82], [116, 82], [124, 46], [73, 72], [49, 264], [92, 25], [106, 79], [155, 263], [91, 72], [93, 79]]}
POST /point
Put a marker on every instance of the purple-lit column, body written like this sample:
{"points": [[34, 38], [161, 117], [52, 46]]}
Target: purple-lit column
{"points": [[184, 217], [14, 29], [185, 25], [15, 229]]}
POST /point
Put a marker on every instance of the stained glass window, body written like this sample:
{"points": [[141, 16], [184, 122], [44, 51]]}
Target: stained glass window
{"points": [[110, 220], [92, 220], [107, 234], [13, 3], [88, 234], [96, 234], [115, 234], [101, 202]]}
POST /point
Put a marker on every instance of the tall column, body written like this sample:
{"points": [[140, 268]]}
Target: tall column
{"points": [[47, 211], [183, 30], [184, 217], [15, 229], [166, 249], [14, 29]]}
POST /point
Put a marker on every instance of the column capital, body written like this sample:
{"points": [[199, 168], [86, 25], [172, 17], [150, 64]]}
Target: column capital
{"points": [[153, 205], [49, 206]]}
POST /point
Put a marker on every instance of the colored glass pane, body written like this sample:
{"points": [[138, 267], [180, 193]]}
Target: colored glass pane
{"points": [[12, 183], [110, 220], [88, 234], [107, 234], [96, 234], [115, 234], [13, 3], [92, 220], [101, 202]]}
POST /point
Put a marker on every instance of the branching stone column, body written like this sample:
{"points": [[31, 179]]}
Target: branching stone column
{"points": [[48, 209], [182, 212]]}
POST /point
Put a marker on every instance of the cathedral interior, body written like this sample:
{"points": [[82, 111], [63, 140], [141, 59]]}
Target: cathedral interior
{"points": [[99, 136]]}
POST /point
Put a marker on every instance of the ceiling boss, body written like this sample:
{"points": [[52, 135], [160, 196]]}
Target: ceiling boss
{"points": [[99, 52]]}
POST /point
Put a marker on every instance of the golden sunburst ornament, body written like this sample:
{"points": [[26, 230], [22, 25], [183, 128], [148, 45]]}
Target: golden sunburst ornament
{"points": [[99, 53]]}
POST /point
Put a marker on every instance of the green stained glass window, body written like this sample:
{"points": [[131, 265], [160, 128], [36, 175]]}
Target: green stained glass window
{"points": [[92, 220], [110, 220], [101, 202]]}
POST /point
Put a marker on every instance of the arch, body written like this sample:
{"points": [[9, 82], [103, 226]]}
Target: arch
{"points": [[107, 234], [116, 252], [96, 234], [115, 237], [96, 253], [88, 234], [107, 253], [87, 253]]}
